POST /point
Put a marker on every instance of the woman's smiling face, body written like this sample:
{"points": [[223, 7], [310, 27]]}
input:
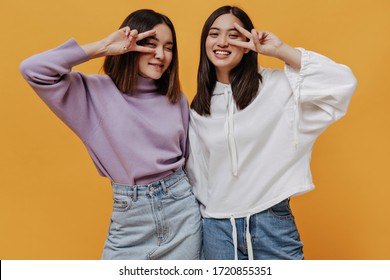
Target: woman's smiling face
{"points": [[153, 65], [221, 54]]}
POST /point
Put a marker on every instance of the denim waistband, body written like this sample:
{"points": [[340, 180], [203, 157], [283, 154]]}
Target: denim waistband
{"points": [[141, 190]]}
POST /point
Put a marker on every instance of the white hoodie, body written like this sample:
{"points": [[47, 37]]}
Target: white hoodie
{"points": [[243, 162]]}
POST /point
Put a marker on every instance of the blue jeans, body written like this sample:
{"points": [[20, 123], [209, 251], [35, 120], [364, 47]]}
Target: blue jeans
{"points": [[160, 220], [273, 233]]}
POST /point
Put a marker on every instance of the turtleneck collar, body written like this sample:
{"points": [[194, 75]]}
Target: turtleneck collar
{"points": [[146, 86]]}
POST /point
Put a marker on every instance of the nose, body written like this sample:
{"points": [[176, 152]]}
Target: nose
{"points": [[222, 41], [159, 54]]}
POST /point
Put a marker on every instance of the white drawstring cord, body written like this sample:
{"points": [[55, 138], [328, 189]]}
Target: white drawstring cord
{"points": [[297, 116], [249, 239], [234, 236], [229, 130]]}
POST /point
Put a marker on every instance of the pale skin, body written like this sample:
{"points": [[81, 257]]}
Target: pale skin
{"points": [[119, 42], [266, 43]]}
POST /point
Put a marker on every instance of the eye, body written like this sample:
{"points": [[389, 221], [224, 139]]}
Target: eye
{"points": [[233, 36], [169, 49], [150, 44], [213, 34]]}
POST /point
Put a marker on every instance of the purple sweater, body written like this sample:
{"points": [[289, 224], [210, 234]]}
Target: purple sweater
{"points": [[132, 138]]}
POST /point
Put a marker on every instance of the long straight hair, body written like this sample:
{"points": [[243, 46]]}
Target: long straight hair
{"points": [[123, 69], [244, 78]]}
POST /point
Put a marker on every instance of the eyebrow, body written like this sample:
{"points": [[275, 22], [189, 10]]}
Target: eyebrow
{"points": [[216, 28], [155, 38]]}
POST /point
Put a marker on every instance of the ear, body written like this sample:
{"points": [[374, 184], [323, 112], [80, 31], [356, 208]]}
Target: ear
{"points": [[246, 50]]}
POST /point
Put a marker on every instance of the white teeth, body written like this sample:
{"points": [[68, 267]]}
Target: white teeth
{"points": [[222, 52]]}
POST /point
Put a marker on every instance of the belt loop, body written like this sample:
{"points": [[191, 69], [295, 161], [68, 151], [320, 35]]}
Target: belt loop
{"points": [[164, 187], [135, 193]]}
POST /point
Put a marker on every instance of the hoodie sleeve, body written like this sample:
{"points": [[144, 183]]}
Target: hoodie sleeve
{"points": [[322, 91], [64, 91]]}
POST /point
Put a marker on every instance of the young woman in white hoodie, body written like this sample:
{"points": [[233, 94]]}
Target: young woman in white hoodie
{"points": [[251, 135]]}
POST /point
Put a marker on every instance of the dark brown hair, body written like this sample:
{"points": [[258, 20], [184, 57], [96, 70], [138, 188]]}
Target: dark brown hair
{"points": [[123, 69], [244, 78]]}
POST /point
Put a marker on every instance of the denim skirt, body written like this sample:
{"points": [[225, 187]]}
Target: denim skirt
{"points": [[160, 220]]}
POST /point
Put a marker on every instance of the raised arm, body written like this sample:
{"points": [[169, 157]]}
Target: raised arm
{"points": [[266, 43], [68, 93], [322, 88], [120, 42]]}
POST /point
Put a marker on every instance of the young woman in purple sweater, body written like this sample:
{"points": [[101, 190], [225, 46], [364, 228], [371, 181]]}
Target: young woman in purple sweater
{"points": [[133, 122]]}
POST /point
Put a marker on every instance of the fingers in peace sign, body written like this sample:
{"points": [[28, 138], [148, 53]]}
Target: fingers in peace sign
{"points": [[133, 36], [262, 42]]}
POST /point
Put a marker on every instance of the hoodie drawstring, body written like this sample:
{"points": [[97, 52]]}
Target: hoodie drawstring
{"points": [[247, 236], [249, 239], [234, 236], [229, 130], [297, 116]]}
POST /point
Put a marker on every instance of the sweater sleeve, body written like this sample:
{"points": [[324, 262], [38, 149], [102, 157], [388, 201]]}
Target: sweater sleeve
{"points": [[185, 116], [322, 91], [64, 91]]}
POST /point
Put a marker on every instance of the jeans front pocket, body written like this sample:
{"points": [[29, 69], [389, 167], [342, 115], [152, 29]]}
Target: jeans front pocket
{"points": [[180, 190], [121, 203], [282, 210]]}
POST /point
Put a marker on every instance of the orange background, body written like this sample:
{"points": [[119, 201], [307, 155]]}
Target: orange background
{"points": [[54, 205]]}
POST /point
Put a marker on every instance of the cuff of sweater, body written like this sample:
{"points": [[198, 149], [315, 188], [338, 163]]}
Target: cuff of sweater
{"points": [[71, 53]]}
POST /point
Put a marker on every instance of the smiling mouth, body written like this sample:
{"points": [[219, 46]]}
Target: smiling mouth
{"points": [[218, 52], [157, 65]]}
